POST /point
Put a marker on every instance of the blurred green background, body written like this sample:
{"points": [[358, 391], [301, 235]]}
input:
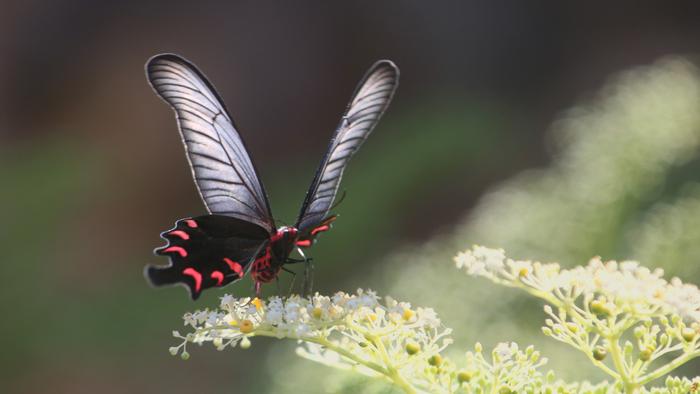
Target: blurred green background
{"points": [[556, 131]]}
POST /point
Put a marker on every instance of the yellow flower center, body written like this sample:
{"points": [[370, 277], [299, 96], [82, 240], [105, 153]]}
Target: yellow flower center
{"points": [[246, 326]]}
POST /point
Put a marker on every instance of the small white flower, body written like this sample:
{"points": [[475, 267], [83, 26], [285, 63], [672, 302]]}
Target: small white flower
{"points": [[505, 350], [481, 261]]}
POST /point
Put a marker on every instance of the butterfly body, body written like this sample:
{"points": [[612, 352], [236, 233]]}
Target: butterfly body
{"points": [[239, 235], [268, 264]]}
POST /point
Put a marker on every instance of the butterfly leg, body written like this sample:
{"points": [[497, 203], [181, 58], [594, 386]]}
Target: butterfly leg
{"points": [[308, 277], [296, 261], [258, 290], [291, 285]]}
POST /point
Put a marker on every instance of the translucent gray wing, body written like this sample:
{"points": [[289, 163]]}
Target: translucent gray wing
{"points": [[223, 172], [370, 100]]}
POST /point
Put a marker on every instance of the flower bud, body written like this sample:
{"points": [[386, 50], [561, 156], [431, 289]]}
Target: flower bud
{"points": [[245, 343], [599, 353], [529, 350], [435, 360], [688, 334], [185, 355], [598, 307], [412, 348], [173, 350], [464, 376], [645, 355]]}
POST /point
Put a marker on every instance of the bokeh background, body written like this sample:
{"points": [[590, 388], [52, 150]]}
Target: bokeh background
{"points": [[558, 131]]}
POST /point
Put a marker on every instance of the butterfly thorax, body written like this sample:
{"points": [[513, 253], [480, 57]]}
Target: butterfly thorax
{"points": [[270, 261]]}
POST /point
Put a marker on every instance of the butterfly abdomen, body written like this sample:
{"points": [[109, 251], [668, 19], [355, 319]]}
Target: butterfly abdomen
{"points": [[263, 269]]}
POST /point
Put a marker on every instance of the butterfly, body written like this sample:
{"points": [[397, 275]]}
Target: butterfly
{"points": [[238, 235]]}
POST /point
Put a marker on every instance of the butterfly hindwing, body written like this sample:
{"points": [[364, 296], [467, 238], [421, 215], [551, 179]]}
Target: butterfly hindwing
{"points": [[223, 172], [368, 103], [208, 251]]}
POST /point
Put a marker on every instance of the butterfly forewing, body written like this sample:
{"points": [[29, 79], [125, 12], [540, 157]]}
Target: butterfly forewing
{"points": [[223, 172], [370, 100]]}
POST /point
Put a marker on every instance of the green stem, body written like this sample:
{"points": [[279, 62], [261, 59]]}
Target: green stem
{"points": [[392, 372], [350, 356], [663, 370], [329, 345]]}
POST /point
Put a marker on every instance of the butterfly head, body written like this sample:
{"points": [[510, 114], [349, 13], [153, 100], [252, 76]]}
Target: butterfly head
{"points": [[287, 233]]}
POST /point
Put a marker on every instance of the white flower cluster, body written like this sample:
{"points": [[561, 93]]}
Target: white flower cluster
{"points": [[626, 318], [358, 331], [626, 286], [510, 370], [392, 340]]}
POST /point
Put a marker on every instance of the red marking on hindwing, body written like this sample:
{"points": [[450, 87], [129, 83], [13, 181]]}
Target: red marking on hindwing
{"points": [[178, 249], [235, 267], [181, 234], [191, 223], [304, 242], [219, 276], [196, 276], [319, 229]]}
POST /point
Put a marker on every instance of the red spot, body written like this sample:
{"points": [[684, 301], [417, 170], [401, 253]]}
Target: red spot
{"points": [[305, 242], [196, 276], [180, 234], [319, 229], [219, 276], [235, 267], [178, 249], [191, 223]]}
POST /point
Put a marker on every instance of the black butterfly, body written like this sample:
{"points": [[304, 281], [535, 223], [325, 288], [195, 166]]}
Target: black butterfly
{"points": [[239, 234]]}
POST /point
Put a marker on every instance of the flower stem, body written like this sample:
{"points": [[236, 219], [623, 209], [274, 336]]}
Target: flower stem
{"points": [[631, 387], [663, 370], [392, 372]]}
